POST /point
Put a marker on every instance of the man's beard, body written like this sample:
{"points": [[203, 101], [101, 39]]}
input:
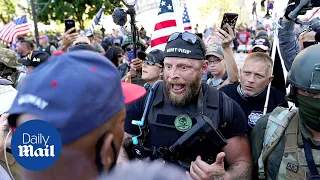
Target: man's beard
{"points": [[191, 90]]}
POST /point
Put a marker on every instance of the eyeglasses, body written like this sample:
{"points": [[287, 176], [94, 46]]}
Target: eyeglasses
{"points": [[215, 61], [188, 37], [120, 56]]}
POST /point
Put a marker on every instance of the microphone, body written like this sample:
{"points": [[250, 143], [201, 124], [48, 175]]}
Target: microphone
{"points": [[119, 16]]}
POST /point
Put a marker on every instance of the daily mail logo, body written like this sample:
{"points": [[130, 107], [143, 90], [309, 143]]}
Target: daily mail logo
{"points": [[28, 150], [36, 145]]}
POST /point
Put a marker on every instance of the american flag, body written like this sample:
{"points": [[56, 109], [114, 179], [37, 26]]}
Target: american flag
{"points": [[12, 30], [165, 25], [96, 20], [186, 20]]}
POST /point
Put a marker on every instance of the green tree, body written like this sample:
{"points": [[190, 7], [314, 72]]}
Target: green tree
{"points": [[7, 11], [221, 5], [79, 10]]}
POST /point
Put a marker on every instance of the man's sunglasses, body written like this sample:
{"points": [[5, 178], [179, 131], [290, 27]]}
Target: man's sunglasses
{"points": [[188, 37]]}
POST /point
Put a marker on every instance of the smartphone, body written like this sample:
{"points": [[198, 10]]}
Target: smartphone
{"points": [[229, 18], [69, 23]]}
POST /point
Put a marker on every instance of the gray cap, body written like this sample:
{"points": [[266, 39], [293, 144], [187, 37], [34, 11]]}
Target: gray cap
{"points": [[155, 170]]}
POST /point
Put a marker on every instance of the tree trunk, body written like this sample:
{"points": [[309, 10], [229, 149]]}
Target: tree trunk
{"points": [[81, 23], [3, 20]]}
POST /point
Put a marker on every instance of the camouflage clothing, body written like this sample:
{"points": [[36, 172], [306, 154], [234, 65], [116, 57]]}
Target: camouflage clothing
{"points": [[287, 160], [9, 58]]}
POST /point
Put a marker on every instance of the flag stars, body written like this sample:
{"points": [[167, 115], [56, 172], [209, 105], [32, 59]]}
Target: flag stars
{"points": [[163, 3], [169, 7]]}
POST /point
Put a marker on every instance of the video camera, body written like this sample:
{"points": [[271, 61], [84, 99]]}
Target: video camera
{"points": [[300, 7]]}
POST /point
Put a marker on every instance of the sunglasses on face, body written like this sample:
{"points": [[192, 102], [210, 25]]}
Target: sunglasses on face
{"points": [[188, 37], [151, 63], [120, 56]]}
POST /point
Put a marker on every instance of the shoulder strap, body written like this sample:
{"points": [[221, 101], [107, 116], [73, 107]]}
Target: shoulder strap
{"points": [[227, 111], [278, 121]]}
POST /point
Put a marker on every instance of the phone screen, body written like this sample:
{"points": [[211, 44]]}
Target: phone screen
{"points": [[229, 18], [69, 23]]}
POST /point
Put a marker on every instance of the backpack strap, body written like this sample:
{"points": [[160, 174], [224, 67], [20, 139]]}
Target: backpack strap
{"points": [[277, 123], [291, 142]]}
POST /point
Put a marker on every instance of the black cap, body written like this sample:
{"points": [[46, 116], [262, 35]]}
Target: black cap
{"points": [[183, 49], [34, 58], [156, 56]]}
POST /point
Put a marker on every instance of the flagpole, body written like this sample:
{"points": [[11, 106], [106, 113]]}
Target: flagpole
{"points": [[273, 56], [34, 17]]}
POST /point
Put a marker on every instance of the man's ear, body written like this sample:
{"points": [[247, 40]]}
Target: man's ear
{"points": [[204, 67], [271, 78], [106, 153]]}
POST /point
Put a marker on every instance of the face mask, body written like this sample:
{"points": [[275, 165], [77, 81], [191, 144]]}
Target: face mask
{"points": [[309, 110], [98, 158]]}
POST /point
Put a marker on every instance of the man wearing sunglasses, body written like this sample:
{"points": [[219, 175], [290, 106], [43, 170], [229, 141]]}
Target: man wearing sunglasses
{"points": [[152, 67], [285, 143], [181, 102], [87, 113]]}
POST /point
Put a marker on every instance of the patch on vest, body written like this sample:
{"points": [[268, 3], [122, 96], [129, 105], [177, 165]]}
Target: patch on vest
{"points": [[253, 118], [183, 122], [292, 167]]}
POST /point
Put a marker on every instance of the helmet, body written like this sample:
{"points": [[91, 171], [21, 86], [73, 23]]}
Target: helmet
{"points": [[305, 70]]}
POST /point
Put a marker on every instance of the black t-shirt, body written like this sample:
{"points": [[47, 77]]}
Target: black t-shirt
{"points": [[166, 136], [253, 106]]}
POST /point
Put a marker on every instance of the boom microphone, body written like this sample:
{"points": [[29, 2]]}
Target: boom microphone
{"points": [[119, 16]]}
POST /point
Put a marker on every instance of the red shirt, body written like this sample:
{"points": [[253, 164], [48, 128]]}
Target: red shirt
{"points": [[244, 37]]}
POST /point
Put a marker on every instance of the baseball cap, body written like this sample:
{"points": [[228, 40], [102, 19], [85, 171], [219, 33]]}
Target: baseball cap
{"points": [[34, 58], [81, 47], [43, 37], [214, 49], [156, 56], [185, 45], [262, 43], [71, 93]]}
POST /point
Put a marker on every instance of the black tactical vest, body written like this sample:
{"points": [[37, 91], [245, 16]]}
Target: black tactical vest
{"points": [[162, 131]]}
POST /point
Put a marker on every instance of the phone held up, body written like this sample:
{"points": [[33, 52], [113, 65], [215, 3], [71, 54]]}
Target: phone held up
{"points": [[69, 23], [231, 19]]}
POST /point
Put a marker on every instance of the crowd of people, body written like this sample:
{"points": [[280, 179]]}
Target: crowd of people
{"points": [[185, 112]]}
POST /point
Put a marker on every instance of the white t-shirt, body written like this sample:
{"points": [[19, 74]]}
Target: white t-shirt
{"points": [[7, 96]]}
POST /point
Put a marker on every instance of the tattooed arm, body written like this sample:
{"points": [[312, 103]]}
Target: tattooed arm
{"points": [[238, 157]]}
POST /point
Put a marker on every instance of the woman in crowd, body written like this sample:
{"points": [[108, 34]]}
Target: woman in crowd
{"points": [[115, 55]]}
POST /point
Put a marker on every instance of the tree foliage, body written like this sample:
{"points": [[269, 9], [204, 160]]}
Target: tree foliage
{"points": [[79, 10], [7, 11], [221, 5]]}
